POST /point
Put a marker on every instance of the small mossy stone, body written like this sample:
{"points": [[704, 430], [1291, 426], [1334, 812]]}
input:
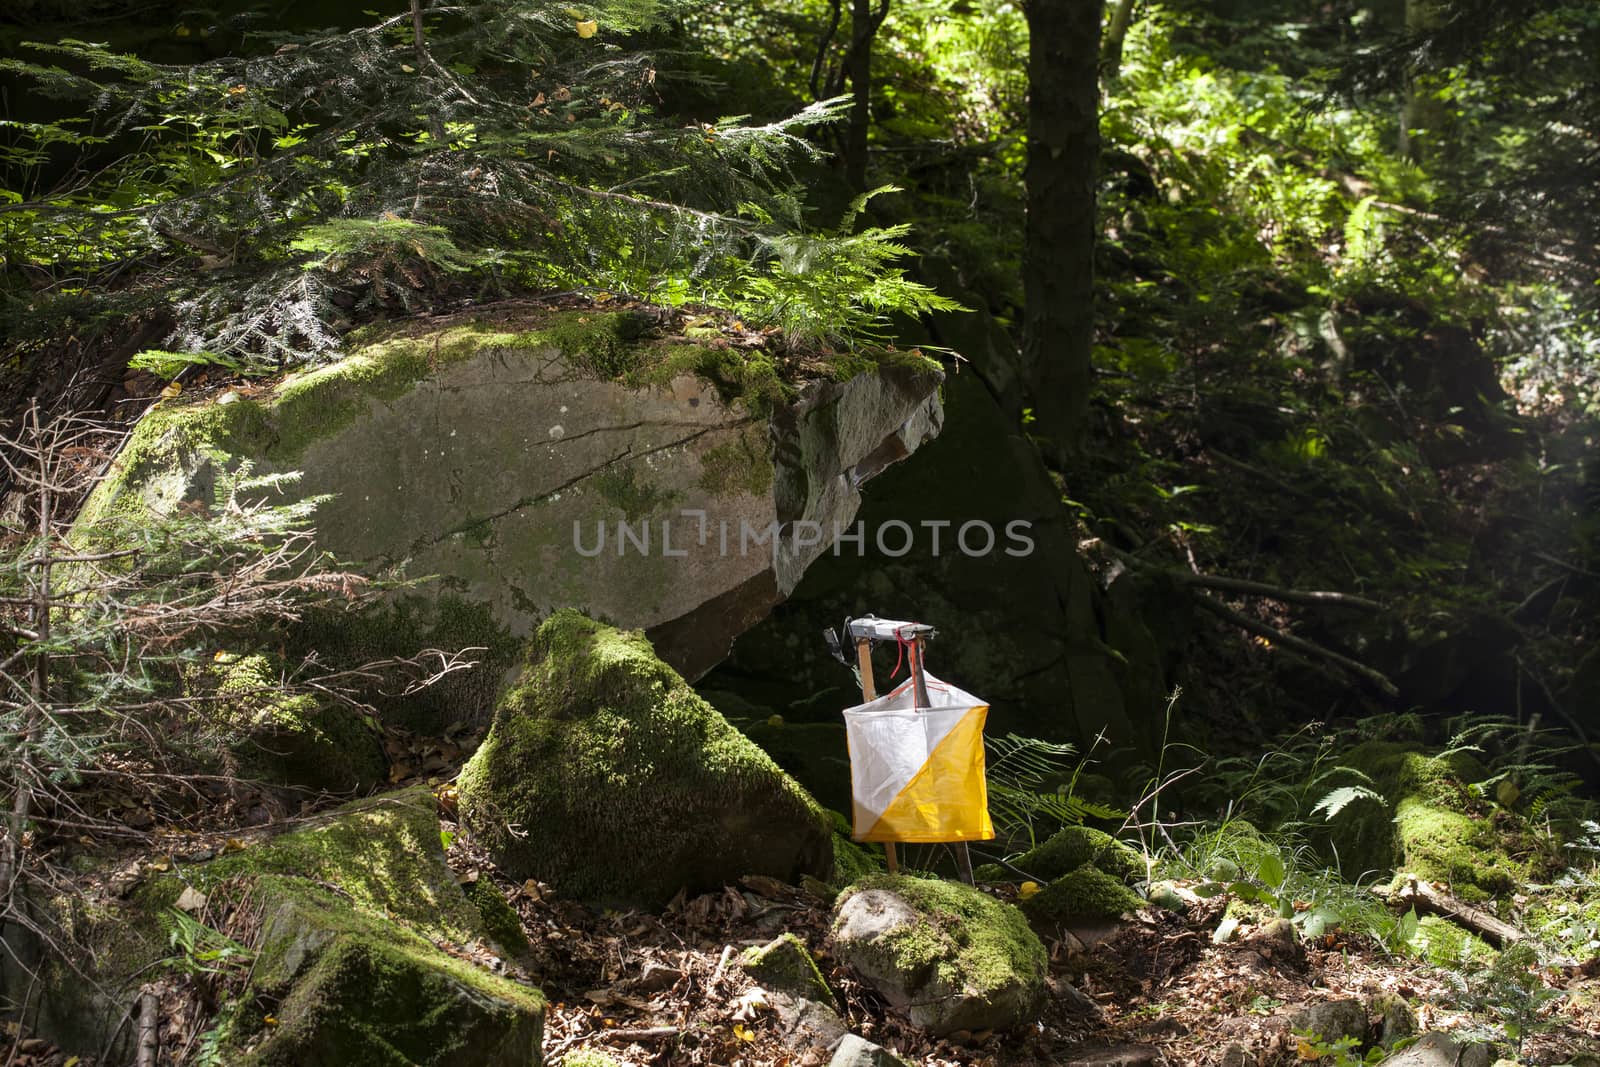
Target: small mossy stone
{"points": [[1087, 892], [500, 920], [1072, 847], [1332, 1020], [785, 965], [854, 1051], [605, 775], [951, 955]]}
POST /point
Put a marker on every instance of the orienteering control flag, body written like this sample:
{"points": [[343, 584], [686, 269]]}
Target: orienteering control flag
{"points": [[917, 773]]}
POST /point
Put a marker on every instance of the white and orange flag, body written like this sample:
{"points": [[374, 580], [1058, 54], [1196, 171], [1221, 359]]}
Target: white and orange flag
{"points": [[917, 773]]}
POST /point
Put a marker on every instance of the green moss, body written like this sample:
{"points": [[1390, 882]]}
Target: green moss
{"points": [[1363, 837], [294, 740], [1072, 847], [1444, 944], [851, 862], [620, 487], [607, 776], [968, 941], [500, 920], [741, 467], [785, 965], [1455, 850], [1427, 825], [589, 1057], [356, 989], [384, 854], [751, 377], [1085, 892]]}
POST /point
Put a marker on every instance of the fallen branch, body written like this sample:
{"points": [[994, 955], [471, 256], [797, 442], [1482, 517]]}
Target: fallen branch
{"points": [[1270, 479], [1420, 895], [1222, 583], [1296, 644], [649, 1033], [149, 1043], [1277, 592]]}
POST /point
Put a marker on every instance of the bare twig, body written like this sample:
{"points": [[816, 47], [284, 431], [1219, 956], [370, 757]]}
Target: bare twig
{"points": [[1297, 644]]}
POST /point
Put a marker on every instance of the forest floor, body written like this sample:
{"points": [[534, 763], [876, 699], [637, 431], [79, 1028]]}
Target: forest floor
{"points": [[667, 988]]}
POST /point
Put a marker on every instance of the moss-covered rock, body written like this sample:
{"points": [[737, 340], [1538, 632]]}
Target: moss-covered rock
{"points": [[1073, 846], [954, 957], [384, 854], [1430, 824], [851, 862], [500, 921], [295, 740], [1087, 892], [606, 776], [349, 964], [352, 988], [785, 965], [1444, 944]]}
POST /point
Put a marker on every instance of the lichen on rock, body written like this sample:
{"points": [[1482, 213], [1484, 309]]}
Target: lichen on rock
{"points": [[954, 957], [606, 776]]}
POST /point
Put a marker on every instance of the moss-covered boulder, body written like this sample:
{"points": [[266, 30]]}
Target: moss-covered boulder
{"points": [[357, 912], [353, 988], [1430, 823], [502, 452], [1085, 893], [952, 956], [293, 740], [606, 776]]}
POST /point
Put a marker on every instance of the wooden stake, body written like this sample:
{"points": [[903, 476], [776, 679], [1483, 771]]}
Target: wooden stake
{"points": [[869, 691]]}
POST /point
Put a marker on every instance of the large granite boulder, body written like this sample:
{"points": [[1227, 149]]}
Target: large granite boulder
{"points": [[951, 956], [533, 459], [606, 776]]}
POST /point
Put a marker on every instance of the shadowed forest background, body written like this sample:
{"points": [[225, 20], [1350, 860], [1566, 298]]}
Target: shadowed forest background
{"points": [[325, 328]]}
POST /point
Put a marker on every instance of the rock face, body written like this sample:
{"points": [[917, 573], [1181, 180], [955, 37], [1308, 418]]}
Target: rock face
{"points": [[952, 956], [604, 775], [502, 454], [346, 957]]}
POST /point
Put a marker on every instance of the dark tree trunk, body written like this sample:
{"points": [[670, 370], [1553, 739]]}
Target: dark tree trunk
{"points": [[1058, 255], [864, 23]]}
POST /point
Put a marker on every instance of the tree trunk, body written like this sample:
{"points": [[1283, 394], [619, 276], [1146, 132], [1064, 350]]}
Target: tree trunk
{"points": [[864, 23], [1116, 34], [1422, 109], [1058, 254]]}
